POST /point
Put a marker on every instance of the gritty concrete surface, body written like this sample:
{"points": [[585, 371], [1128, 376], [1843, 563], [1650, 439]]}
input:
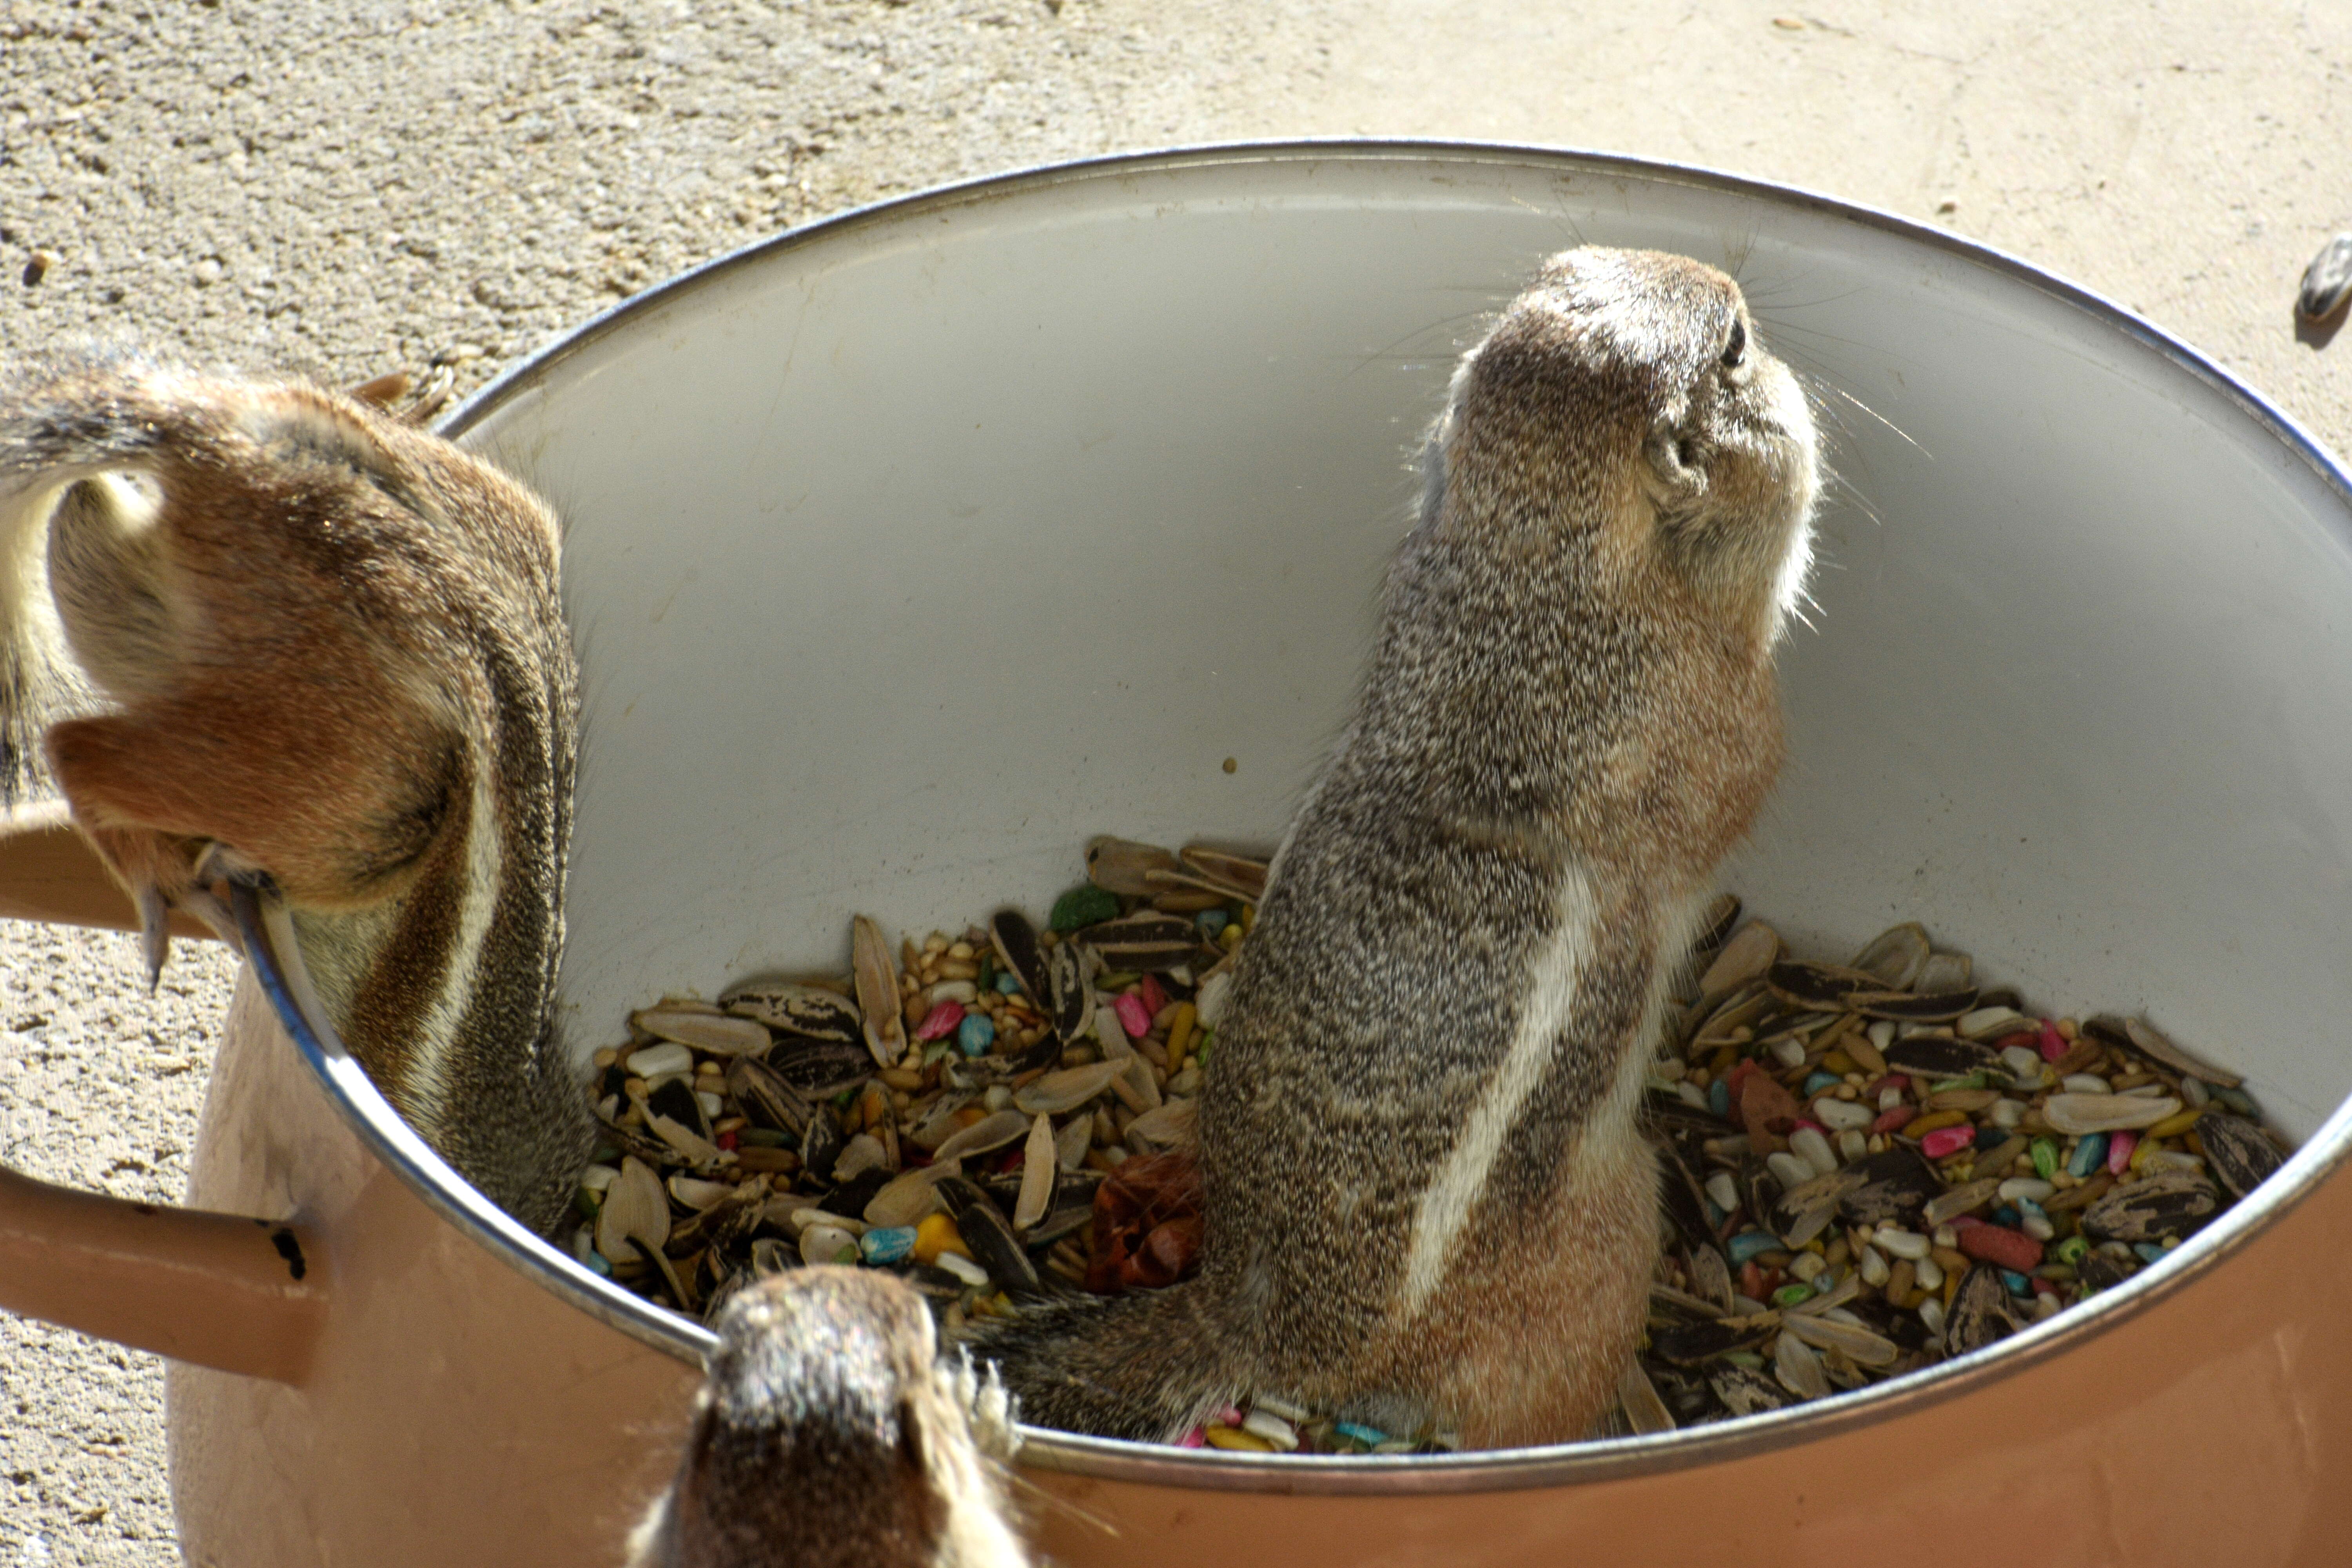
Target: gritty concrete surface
{"points": [[345, 186]]}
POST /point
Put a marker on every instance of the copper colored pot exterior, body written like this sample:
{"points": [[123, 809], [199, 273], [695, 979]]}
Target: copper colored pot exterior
{"points": [[455, 1413]]}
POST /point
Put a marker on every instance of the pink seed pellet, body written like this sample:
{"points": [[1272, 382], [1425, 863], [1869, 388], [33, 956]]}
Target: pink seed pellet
{"points": [[940, 1021], [1893, 1120], [1946, 1141], [2119, 1151], [1230, 1416], [1197, 1438], [2053, 1044], [1154, 998], [1132, 1016]]}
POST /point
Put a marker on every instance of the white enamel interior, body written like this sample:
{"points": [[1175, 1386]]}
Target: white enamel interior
{"points": [[906, 556]]}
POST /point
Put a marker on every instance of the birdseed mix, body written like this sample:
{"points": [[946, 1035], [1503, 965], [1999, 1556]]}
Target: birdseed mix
{"points": [[1866, 1168]]}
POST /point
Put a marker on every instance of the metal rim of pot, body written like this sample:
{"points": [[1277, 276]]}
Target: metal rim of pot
{"points": [[276, 959]]}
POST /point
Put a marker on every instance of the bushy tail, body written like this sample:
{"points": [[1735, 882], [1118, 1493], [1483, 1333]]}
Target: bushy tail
{"points": [[62, 422], [1146, 1366]]}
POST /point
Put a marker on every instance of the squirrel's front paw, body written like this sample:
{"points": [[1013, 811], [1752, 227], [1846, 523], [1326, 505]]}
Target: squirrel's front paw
{"points": [[991, 1411]]}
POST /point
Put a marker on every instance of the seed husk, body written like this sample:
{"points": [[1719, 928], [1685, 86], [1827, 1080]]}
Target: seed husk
{"points": [[1037, 1168], [876, 971], [1746, 1393], [1119, 865], [1748, 957], [1644, 1411], [715, 1033], [1015, 941], [987, 1235], [820, 1069], [1895, 957], [2171, 1204], [1979, 1314], [989, 1132], [767, 1098], [2237, 1151], [2143, 1035], [810, 1012]]}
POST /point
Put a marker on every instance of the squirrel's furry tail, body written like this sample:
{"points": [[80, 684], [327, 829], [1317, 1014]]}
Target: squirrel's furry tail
{"points": [[67, 422], [1148, 1366]]}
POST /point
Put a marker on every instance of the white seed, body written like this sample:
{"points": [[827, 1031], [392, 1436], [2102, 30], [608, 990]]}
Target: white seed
{"points": [[1271, 1428], [2027, 1187], [1852, 1145], [963, 1269], [1721, 1192], [2087, 1083], [1841, 1115], [2008, 1114], [1901, 1243], [1809, 1145], [658, 1061], [1789, 1052], [596, 1178], [2023, 1064], [1931, 1312], [1874, 1271], [1789, 1171], [1928, 1274]]}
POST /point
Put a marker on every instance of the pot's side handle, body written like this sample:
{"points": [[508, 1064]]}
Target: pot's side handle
{"points": [[50, 872], [242, 1295]]}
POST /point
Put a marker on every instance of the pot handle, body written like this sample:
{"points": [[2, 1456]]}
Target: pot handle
{"points": [[48, 872], [220, 1290]]}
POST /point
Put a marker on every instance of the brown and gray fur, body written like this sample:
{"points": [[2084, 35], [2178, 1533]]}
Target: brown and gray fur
{"points": [[1426, 1196], [827, 1436], [269, 632]]}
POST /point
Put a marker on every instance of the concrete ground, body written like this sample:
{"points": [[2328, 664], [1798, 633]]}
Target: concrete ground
{"points": [[345, 188]]}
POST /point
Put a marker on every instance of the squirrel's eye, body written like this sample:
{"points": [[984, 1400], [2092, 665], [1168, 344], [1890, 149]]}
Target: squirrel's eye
{"points": [[1735, 350]]}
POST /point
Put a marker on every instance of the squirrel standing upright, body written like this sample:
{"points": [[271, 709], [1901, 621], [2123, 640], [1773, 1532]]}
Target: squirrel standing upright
{"points": [[271, 632], [1427, 1201]]}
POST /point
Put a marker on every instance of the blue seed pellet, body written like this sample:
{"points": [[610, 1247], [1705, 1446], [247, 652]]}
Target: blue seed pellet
{"points": [[1008, 984], [888, 1244], [2015, 1281], [1212, 922], [2148, 1251], [1369, 1436], [1748, 1243], [596, 1264], [1820, 1081], [976, 1034], [2088, 1155], [2007, 1215], [1718, 1097]]}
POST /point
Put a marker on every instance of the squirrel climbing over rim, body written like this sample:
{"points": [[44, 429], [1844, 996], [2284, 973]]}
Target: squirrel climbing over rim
{"points": [[1427, 1201], [269, 632]]}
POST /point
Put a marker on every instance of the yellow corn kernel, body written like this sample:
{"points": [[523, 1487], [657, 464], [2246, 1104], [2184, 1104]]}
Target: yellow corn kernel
{"points": [[1234, 1438], [936, 1235], [1924, 1125], [1179, 1031], [2174, 1126]]}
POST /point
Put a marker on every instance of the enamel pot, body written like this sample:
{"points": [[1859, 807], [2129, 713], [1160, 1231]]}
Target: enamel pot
{"points": [[907, 550]]}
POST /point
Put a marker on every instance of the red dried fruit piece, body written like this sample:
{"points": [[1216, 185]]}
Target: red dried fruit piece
{"points": [[1998, 1244], [1135, 1202], [1766, 1108]]}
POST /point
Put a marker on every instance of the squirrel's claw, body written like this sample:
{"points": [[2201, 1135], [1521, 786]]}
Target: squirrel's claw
{"points": [[154, 930]]}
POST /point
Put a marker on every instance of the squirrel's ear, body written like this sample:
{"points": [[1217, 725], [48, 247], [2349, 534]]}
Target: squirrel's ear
{"points": [[1676, 462]]}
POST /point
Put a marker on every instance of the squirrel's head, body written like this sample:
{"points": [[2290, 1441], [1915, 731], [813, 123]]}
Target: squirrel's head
{"points": [[1623, 410]]}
